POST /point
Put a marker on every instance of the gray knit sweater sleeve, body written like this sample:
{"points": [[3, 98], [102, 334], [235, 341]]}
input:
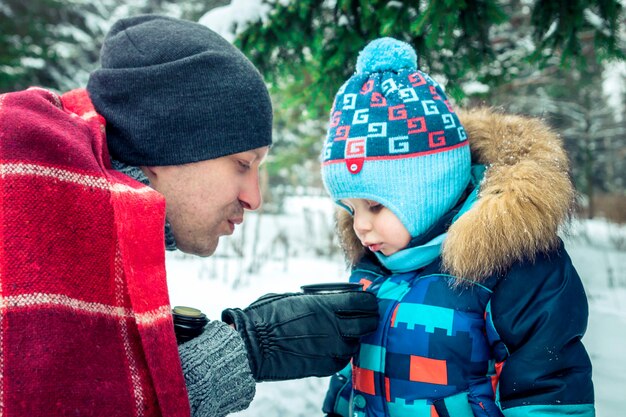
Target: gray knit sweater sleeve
{"points": [[217, 373]]}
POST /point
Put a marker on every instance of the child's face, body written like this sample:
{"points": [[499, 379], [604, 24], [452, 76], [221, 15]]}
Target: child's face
{"points": [[377, 227]]}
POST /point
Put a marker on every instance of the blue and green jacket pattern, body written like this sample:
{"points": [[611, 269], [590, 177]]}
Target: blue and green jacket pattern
{"points": [[508, 346]]}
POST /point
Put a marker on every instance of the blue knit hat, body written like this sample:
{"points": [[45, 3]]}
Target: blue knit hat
{"points": [[395, 139]]}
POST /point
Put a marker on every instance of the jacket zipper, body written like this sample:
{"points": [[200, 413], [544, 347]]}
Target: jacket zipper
{"points": [[383, 342], [381, 378]]}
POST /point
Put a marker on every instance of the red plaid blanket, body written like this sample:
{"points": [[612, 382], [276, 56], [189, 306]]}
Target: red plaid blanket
{"points": [[85, 324]]}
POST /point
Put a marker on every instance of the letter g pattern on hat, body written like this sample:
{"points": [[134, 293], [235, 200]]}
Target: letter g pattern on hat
{"points": [[394, 138]]}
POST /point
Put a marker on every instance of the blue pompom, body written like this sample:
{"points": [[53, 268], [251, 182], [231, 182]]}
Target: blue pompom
{"points": [[386, 54]]}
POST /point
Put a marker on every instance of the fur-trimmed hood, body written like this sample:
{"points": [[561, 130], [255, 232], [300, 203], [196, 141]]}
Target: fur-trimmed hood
{"points": [[525, 196]]}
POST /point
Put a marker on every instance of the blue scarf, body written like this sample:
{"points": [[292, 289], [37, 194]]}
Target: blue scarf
{"points": [[416, 257]]}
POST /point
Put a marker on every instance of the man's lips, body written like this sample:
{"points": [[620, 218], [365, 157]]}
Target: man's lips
{"points": [[234, 221]]}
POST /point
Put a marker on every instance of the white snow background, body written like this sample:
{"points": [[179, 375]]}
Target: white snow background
{"points": [[287, 254]]}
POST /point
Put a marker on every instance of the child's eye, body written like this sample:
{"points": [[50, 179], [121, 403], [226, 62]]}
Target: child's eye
{"points": [[375, 206]]}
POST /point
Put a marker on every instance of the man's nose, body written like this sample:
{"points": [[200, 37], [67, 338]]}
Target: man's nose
{"points": [[250, 195]]}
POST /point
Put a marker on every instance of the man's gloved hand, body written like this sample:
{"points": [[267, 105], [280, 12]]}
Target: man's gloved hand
{"points": [[295, 335]]}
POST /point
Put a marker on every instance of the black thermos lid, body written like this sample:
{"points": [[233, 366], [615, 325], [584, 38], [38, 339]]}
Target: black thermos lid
{"points": [[188, 323]]}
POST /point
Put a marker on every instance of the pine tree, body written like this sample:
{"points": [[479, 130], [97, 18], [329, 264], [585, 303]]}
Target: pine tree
{"points": [[309, 47], [55, 43], [570, 97]]}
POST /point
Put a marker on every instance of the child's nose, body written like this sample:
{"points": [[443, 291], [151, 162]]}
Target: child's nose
{"points": [[362, 224]]}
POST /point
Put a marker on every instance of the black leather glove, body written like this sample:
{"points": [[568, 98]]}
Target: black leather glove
{"points": [[295, 335]]}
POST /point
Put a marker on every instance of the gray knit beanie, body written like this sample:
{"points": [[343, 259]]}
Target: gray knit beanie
{"points": [[175, 92]]}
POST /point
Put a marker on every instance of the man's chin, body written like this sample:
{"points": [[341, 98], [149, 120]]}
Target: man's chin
{"points": [[203, 250]]}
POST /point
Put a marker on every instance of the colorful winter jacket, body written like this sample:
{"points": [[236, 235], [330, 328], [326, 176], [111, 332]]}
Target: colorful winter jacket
{"points": [[494, 326]]}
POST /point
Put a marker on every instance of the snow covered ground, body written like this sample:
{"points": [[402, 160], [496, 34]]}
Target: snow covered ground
{"points": [[290, 251]]}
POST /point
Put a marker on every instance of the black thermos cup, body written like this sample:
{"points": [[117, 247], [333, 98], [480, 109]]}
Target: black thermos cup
{"points": [[188, 323]]}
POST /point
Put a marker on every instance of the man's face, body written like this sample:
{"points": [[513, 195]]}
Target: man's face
{"points": [[206, 199]]}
